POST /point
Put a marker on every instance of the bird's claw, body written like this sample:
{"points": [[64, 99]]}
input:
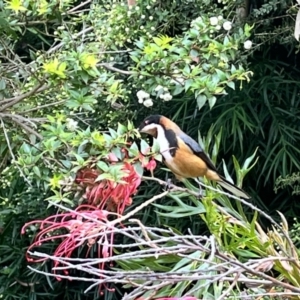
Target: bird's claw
{"points": [[169, 184]]}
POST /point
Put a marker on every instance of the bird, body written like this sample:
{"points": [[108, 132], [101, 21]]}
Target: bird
{"points": [[183, 155]]}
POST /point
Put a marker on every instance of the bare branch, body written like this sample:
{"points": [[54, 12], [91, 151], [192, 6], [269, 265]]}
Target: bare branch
{"points": [[12, 101]]}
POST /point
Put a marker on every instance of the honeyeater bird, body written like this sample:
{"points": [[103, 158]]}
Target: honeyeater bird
{"points": [[183, 155]]}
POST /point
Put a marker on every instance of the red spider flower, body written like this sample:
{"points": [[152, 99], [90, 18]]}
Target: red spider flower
{"points": [[149, 165], [108, 194], [73, 229]]}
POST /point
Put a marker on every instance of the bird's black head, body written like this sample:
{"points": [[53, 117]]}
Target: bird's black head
{"points": [[149, 125]]}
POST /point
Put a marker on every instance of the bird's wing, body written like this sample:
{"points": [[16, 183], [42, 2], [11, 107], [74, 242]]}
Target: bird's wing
{"points": [[197, 150]]}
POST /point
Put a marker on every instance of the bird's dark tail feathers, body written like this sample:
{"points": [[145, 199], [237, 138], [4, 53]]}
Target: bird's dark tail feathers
{"points": [[232, 188]]}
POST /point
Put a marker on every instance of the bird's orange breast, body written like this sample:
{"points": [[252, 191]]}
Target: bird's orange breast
{"points": [[185, 164]]}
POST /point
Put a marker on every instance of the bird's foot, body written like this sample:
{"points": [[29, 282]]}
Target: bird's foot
{"points": [[201, 191], [169, 184]]}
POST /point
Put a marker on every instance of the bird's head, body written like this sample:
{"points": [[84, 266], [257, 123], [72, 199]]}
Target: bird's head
{"points": [[150, 125]]}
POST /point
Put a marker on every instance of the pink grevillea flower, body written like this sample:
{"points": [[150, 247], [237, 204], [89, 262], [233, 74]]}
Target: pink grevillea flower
{"points": [[72, 230], [108, 194], [149, 165]]}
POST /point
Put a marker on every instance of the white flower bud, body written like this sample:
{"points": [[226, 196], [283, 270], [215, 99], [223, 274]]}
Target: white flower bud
{"points": [[248, 44], [168, 97], [227, 25], [71, 124], [142, 94], [213, 21], [148, 102]]}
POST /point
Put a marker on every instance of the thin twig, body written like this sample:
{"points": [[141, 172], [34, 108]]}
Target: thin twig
{"points": [[12, 154], [14, 100]]}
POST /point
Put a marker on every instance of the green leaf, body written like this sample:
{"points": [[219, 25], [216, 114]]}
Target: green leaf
{"points": [[231, 84], [102, 166], [212, 101], [201, 100]]}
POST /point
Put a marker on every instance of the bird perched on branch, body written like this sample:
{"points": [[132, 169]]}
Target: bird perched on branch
{"points": [[183, 155]]}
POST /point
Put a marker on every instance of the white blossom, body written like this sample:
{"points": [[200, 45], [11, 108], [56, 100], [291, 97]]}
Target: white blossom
{"points": [[213, 21], [227, 25], [148, 102], [167, 97], [220, 18], [248, 44], [71, 124], [218, 27], [142, 94]]}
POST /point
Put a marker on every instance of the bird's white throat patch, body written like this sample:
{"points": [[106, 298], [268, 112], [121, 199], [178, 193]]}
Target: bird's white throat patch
{"points": [[164, 145]]}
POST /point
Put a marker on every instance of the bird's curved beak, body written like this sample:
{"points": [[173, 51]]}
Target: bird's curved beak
{"points": [[149, 129], [141, 128]]}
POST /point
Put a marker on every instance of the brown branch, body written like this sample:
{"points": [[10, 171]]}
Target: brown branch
{"points": [[78, 6], [246, 203], [19, 120], [11, 152], [42, 106], [14, 100]]}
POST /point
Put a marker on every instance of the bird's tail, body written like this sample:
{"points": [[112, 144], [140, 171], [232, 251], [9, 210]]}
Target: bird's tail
{"points": [[232, 188]]}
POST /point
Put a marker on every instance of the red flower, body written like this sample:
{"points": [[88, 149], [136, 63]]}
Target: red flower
{"points": [[80, 228], [108, 194], [149, 165]]}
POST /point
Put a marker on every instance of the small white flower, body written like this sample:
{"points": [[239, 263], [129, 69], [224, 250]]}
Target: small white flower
{"points": [[220, 18], [148, 7], [158, 88], [166, 89], [71, 124], [137, 8], [227, 25], [127, 29], [162, 96], [218, 27], [141, 100], [213, 21], [152, 28], [142, 94], [143, 16], [168, 97], [151, 18], [248, 44], [148, 102]]}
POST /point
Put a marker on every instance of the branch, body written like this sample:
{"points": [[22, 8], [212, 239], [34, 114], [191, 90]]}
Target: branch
{"points": [[12, 101], [246, 203], [12, 154]]}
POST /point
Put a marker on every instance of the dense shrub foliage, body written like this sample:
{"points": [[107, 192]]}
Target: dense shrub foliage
{"points": [[76, 78]]}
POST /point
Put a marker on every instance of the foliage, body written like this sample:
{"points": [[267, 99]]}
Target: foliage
{"points": [[69, 75]]}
